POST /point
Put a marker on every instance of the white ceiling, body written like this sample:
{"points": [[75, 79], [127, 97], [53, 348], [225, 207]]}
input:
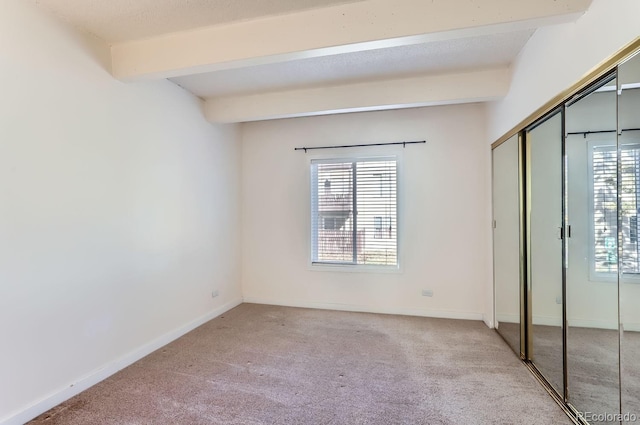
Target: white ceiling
{"points": [[124, 20], [487, 51], [365, 47]]}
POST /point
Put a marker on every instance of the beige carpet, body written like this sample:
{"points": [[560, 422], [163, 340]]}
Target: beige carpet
{"points": [[260, 364], [593, 365]]}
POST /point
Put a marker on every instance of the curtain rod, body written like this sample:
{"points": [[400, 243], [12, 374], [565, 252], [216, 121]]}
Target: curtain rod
{"points": [[584, 133], [404, 144]]}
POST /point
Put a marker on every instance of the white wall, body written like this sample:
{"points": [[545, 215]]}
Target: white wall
{"points": [[119, 214], [445, 215], [557, 56]]}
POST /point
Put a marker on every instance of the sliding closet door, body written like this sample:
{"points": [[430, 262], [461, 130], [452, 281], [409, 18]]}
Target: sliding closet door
{"points": [[544, 181], [592, 262], [629, 188], [506, 241]]}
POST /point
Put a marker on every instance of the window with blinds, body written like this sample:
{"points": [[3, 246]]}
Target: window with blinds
{"points": [[354, 206], [604, 219]]}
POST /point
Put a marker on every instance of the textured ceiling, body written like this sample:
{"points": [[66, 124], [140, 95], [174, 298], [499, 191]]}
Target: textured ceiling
{"points": [[436, 57], [124, 20]]}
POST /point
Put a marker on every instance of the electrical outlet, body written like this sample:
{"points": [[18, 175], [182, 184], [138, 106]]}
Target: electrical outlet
{"points": [[215, 293], [427, 293], [558, 300]]}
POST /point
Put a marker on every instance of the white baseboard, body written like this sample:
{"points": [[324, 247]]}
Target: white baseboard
{"points": [[593, 324], [507, 318], [547, 320], [576, 323], [57, 397], [442, 314], [486, 318], [631, 327]]}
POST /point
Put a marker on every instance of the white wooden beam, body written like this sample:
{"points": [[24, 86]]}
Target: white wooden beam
{"points": [[369, 24], [478, 86]]}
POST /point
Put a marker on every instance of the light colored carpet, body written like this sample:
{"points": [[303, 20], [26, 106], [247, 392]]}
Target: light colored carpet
{"points": [[511, 333], [593, 366], [260, 364], [630, 376]]}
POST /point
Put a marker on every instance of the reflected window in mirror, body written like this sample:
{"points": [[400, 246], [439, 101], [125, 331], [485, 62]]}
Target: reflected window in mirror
{"points": [[604, 221]]}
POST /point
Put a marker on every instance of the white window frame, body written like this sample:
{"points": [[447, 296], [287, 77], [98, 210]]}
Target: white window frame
{"points": [[373, 154]]}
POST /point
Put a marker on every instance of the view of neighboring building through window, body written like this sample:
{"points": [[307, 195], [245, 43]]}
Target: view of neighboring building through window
{"points": [[604, 202], [354, 216]]}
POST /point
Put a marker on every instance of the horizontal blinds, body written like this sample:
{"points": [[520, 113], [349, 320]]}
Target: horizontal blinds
{"points": [[629, 161], [354, 211], [376, 212], [333, 209], [605, 177]]}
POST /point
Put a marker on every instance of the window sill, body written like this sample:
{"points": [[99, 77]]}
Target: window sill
{"points": [[353, 268]]}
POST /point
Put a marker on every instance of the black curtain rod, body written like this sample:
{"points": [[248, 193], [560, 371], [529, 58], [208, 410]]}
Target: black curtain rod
{"points": [[404, 144], [584, 133]]}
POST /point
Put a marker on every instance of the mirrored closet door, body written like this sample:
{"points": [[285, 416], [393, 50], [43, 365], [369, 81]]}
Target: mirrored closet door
{"points": [[566, 209], [544, 149], [629, 246], [506, 241], [592, 257]]}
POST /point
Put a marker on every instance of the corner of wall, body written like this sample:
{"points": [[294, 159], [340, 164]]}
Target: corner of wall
{"points": [[111, 368]]}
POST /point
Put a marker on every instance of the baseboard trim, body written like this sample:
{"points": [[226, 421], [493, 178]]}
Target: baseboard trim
{"points": [[547, 321], [594, 324], [631, 327], [574, 323], [487, 319], [442, 314], [100, 374], [508, 318]]}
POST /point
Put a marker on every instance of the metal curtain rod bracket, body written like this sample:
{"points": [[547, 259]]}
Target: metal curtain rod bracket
{"points": [[404, 145]]}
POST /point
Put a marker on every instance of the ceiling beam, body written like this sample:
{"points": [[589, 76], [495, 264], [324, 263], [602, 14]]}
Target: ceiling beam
{"points": [[478, 86], [363, 25]]}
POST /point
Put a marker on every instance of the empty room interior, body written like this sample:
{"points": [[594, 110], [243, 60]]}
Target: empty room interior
{"points": [[319, 211]]}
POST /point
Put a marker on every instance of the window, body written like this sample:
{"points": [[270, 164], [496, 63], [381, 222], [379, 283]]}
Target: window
{"points": [[354, 207], [604, 206], [383, 227]]}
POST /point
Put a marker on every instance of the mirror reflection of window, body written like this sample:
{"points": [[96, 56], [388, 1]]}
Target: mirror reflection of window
{"points": [[628, 95], [604, 200]]}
